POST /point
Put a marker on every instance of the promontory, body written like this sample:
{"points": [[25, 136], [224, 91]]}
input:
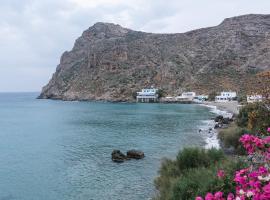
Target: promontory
{"points": [[109, 62]]}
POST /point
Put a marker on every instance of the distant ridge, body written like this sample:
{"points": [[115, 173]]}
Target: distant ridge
{"points": [[109, 62]]}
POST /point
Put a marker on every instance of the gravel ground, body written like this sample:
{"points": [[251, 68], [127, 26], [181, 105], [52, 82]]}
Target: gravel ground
{"points": [[231, 106]]}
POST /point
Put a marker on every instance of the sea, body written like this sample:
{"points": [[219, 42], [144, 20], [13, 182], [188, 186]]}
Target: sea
{"points": [[61, 150]]}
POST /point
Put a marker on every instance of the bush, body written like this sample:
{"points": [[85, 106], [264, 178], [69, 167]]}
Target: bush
{"points": [[242, 98], [255, 117], [193, 183], [168, 174], [134, 95], [230, 136], [194, 157], [212, 96], [161, 93], [193, 173]]}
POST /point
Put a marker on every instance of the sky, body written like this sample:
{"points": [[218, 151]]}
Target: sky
{"points": [[34, 33]]}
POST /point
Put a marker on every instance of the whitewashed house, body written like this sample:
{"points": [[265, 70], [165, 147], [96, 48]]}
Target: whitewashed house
{"points": [[225, 97], [254, 98], [186, 96], [148, 95]]}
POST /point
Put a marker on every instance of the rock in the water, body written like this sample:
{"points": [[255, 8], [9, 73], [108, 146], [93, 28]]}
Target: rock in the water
{"points": [[217, 125], [226, 120], [218, 118], [135, 154], [118, 156]]}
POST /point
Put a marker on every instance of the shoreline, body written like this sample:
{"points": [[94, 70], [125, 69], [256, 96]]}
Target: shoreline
{"points": [[227, 110], [229, 107]]}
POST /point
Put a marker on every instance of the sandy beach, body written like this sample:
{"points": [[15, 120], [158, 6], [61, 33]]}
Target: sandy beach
{"points": [[231, 106]]}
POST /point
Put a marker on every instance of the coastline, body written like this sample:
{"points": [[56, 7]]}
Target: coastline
{"points": [[227, 110], [229, 107]]}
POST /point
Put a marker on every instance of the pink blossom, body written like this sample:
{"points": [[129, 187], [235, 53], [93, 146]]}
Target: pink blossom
{"points": [[199, 198], [262, 170], [266, 188], [209, 196], [220, 173], [254, 174], [230, 196], [267, 139], [218, 195], [252, 182], [258, 142]]}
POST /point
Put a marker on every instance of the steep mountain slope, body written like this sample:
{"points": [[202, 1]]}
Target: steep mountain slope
{"points": [[109, 62]]}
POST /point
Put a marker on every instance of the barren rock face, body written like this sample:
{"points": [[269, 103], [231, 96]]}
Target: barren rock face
{"points": [[109, 62]]}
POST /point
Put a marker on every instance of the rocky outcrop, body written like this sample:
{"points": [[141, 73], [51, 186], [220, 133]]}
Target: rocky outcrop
{"points": [[222, 122], [119, 157], [109, 62], [135, 154]]}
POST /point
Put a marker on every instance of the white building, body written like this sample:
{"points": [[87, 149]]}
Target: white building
{"points": [[186, 96], [225, 97], [147, 95], [254, 98]]}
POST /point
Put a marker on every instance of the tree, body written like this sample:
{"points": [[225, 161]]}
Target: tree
{"points": [[161, 93], [212, 96], [260, 85]]}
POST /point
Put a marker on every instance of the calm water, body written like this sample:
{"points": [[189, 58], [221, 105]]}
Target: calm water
{"points": [[54, 150]]}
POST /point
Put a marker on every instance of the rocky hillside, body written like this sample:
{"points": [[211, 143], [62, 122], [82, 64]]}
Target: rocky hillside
{"points": [[109, 62]]}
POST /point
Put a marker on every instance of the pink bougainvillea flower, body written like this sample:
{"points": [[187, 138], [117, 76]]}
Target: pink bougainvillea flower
{"points": [[218, 195], [266, 188], [230, 196], [209, 196], [262, 170], [252, 182], [220, 173], [258, 142], [199, 198], [267, 139]]}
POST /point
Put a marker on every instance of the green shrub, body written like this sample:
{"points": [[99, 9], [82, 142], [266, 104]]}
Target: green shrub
{"points": [[230, 136], [161, 93], [193, 183], [212, 96], [194, 173], [242, 98], [168, 169], [255, 117], [168, 173], [194, 157]]}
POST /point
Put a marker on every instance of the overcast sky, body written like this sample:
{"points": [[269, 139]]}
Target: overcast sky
{"points": [[34, 33]]}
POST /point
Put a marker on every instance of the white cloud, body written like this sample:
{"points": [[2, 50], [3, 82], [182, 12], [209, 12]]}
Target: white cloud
{"points": [[34, 33]]}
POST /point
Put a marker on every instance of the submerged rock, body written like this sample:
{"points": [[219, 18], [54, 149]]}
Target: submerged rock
{"points": [[135, 154]]}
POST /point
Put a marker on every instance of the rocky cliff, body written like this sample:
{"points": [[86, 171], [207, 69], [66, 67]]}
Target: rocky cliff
{"points": [[109, 62]]}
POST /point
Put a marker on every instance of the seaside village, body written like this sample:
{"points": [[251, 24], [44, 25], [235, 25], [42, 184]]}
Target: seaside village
{"points": [[151, 95]]}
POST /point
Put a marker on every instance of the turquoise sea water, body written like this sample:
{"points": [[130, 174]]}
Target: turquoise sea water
{"points": [[56, 150]]}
